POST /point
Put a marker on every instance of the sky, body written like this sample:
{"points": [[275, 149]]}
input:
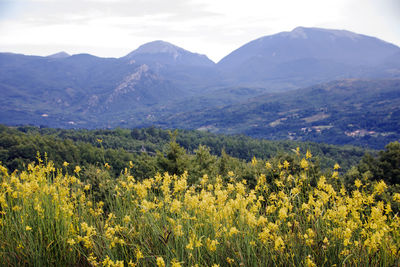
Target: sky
{"points": [[113, 28]]}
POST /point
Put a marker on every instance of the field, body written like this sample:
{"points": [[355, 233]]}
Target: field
{"points": [[290, 216]]}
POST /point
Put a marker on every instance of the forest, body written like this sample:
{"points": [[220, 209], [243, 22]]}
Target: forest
{"points": [[147, 146]]}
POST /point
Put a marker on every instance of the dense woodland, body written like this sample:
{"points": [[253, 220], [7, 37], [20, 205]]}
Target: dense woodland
{"points": [[153, 150], [147, 146]]}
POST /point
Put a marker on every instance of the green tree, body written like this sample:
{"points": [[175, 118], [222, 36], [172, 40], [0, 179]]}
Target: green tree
{"points": [[176, 160], [389, 164]]}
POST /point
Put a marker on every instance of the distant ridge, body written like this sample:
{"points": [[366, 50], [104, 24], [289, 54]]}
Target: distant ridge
{"points": [[61, 54]]}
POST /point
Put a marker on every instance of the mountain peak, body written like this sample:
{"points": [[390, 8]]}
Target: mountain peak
{"points": [[158, 47], [61, 54], [166, 53], [298, 32], [305, 33]]}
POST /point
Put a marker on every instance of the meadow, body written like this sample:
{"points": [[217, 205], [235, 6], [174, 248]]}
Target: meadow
{"points": [[290, 216]]}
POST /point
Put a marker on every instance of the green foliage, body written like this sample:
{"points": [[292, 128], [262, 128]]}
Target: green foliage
{"points": [[385, 166], [175, 161], [81, 147]]}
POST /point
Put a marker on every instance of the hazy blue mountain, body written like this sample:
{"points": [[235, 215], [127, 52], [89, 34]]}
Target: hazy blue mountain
{"points": [[305, 56], [164, 53], [61, 54], [73, 90], [160, 83]]}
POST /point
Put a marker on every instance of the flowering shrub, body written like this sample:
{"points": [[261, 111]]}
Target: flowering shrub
{"points": [[51, 217]]}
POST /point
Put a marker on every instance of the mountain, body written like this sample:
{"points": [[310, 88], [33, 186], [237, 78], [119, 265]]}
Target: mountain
{"points": [[163, 84], [307, 56], [190, 71], [73, 91], [61, 54], [164, 53], [353, 111]]}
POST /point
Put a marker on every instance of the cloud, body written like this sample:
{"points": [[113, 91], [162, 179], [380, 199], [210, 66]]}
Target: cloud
{"points": [[212, 27], [41, 12]]}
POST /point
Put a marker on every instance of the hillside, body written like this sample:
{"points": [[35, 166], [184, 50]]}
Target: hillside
{"points": [[73, 91], [358, 112]]}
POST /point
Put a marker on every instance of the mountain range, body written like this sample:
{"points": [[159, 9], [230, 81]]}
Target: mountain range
{"points": [[252, 90]]}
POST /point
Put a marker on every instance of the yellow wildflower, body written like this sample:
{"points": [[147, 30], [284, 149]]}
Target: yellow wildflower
{"points": [[357, 183], [279, 244], [126, 219], [175, 206], [304, 164], [189, 246], [77, 169], [16, 208], [268, 165], [230, 260], [282, 213], [160, 262], [396, 197], [92, 259], [286, 164], [380, 187], [175, 263], [233, 231], [254, 161], [309, 262], [212, 245], [139, 255]]}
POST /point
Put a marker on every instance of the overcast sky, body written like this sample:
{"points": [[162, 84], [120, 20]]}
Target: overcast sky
{"points": [[113, 28]]}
